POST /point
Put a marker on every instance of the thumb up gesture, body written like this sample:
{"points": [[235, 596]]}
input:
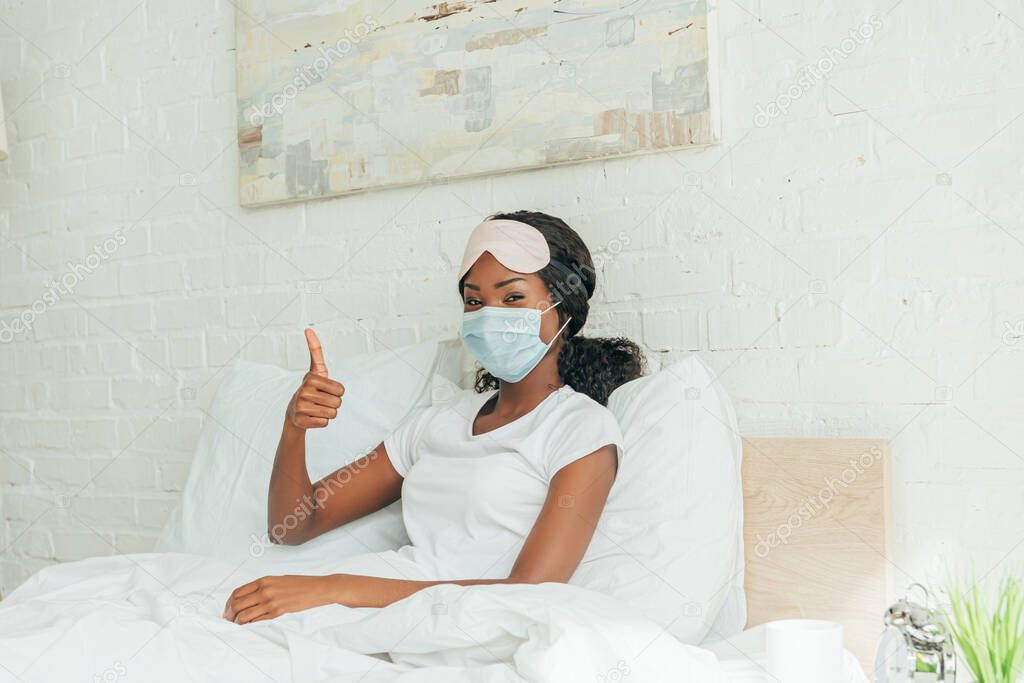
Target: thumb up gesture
{"points": [[317, 400]]}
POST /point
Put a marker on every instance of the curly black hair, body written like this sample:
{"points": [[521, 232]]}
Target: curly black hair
{"points": [[595, 366]]}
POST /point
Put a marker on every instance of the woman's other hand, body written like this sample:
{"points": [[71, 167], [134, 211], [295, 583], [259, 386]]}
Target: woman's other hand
{"points": [[317, 400], [273, 596]]}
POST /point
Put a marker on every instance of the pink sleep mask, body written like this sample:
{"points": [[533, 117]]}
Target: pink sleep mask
{"points": [[517, 246]]}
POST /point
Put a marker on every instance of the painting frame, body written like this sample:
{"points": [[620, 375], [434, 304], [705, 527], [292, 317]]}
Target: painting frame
{"points": [[276, 100]]}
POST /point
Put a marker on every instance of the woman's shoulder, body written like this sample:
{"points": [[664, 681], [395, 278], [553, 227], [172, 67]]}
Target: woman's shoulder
{"points": [[457, 407], [451, 405], [577, 426], [575, 406]]}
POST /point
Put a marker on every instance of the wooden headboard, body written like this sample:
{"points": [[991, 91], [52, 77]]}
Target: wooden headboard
{"points": [[817, 534]]}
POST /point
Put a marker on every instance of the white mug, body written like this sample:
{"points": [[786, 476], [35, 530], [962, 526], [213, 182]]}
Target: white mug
{"points": [[804, 650]]}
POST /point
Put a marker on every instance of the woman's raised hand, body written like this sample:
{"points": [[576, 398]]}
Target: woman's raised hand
{"points": [[317, 401]]}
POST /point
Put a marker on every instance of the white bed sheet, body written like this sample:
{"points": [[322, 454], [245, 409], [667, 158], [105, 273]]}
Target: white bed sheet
{"points": [[157, 617]]}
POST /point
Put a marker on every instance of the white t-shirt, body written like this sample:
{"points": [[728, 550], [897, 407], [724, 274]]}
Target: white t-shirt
{"points": [[469, 501]]}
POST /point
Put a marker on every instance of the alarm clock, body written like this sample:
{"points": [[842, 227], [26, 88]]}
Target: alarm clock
{"points": [[916, 644]]}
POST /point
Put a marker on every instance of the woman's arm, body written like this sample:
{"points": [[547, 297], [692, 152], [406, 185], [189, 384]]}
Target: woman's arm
{"points": [[552, 551], [298, 509]]}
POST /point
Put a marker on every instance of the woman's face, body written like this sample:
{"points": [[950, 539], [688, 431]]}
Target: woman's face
{"points": [[488, 283]]}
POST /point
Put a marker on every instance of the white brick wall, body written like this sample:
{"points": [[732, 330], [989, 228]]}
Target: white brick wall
{"points": [[852, 267]]}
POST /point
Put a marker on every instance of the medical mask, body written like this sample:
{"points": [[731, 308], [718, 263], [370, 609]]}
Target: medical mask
{"points": [[506, 341]]}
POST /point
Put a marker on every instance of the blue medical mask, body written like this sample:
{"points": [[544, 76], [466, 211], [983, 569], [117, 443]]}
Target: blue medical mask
{"points": [[506, 341]]}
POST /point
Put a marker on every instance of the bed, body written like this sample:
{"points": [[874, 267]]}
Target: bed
{"points": [[831, 565]]}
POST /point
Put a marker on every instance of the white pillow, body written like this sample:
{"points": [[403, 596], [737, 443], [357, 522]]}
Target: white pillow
{"points": [[670, 540], [223, 511]]}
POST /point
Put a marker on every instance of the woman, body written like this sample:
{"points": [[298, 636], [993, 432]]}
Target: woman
{"points": [[502, 486]]}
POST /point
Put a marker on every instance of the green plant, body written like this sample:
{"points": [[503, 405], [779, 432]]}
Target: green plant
{"points": [[989, 631]]}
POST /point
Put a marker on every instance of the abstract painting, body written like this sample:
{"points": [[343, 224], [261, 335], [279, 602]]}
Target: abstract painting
{"points": [[340, 96]]}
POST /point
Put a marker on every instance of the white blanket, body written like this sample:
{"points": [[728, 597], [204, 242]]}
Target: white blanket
{"points": [[157, 617]]}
